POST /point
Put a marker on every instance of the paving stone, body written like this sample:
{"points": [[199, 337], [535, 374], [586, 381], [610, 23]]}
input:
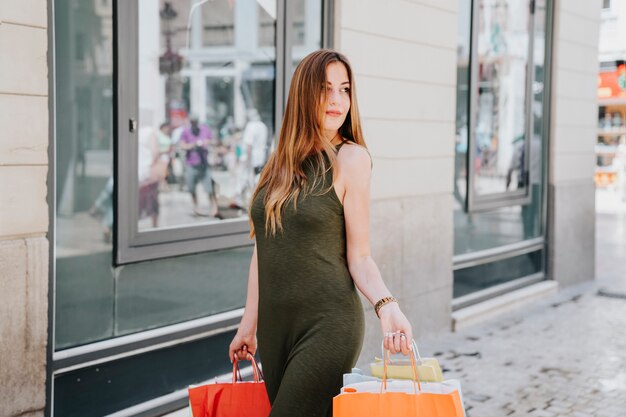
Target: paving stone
{"points": [[561, 356]]}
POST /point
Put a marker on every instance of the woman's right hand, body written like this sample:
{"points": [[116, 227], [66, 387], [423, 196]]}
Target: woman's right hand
{"points": [[242, 344]]}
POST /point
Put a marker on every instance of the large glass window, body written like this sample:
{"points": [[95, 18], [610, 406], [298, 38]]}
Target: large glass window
{"points": [[500, 139], [165, 112], [500, 83], [197, 131], [198, 154], [84, 170]]}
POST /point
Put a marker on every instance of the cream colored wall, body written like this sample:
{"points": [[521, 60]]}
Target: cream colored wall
{"points": [[23, 207], [403, 55], [573, 136], [575, 107]]}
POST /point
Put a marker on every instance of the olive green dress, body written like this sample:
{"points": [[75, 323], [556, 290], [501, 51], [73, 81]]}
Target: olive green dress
{"points": [[310, 324]]}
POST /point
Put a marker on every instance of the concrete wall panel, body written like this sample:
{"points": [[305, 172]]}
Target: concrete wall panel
{"points": [[409, 139], [397, 59], [577, 57], [23, 206], [401, 20], [572, 167], [582, 29], [24, 121], [25, 48], [572, 244], [399, 178], [23, 333], [428, 236], [575, 139], [400, 100], [575, 85], [571, 202], [25, 12], [584, 8]]}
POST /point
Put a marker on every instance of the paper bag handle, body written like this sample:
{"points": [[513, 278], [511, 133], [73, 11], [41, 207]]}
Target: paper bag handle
{"points": [[416, 351], [417, 386], [258, 375]]}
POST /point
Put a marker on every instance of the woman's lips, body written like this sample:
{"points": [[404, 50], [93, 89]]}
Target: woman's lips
{"points": [[333, 113]]}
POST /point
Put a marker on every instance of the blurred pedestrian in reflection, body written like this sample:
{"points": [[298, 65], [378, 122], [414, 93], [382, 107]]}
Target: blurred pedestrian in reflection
{"points": [[178, 156], [151, 169], [252, 154], [516, 166], [460, 163], [527, 176], [196, 141], [166, 151], [103, 206], [255, 138]]}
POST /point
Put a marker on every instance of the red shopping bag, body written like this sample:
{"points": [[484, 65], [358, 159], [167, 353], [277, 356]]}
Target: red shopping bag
{"points": [[231, 399]]}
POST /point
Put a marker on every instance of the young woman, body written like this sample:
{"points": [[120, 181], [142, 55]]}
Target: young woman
{"points": [[309, 215]]}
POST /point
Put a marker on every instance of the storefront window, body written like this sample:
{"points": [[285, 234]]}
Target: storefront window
{"points": [[199, 71], [491, 153], [307, 31], [84, 308], [218, 28], [199, 155], [499, 120], [188, 90]]}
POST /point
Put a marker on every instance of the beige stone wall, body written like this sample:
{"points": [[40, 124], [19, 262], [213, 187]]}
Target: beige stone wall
{"points": [[23, 207], [573, 136], [403, 54]]}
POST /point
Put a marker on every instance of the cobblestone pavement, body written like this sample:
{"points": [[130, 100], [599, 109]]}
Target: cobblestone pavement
{"points": [[561, 356]]}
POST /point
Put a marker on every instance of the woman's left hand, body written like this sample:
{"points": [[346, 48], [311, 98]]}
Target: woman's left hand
{"points": [[396, 329]]}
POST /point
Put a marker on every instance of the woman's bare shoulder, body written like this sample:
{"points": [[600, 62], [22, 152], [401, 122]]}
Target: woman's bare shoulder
{"points": [[353, 156]]}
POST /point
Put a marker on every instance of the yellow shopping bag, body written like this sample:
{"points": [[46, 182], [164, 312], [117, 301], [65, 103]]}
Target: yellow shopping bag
{"points": [[428, 369]]}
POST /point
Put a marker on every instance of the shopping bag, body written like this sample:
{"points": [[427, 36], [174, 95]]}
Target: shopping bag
{"points": [[232, 399], [428, 369], [356, 376], [364, 383], [400, 398]]}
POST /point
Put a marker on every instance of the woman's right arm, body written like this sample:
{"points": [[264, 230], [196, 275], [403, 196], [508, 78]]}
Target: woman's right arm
{"points": [[244, 341]]}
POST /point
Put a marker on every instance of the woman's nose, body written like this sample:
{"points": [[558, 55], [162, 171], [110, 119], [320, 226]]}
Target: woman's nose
{"points": [[332, 99]]}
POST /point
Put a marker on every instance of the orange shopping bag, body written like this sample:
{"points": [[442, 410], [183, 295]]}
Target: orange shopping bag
{"points": [[417, 402], [237, 399]]}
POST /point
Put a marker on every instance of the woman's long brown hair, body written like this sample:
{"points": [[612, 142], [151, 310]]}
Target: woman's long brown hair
{"points": [[301, 136]]}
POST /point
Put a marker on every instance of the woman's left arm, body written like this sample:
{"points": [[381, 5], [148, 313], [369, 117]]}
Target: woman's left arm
{"points": [[355, 169]]}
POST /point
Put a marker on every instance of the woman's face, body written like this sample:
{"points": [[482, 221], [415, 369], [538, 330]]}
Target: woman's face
{"points": [[337, 97]]}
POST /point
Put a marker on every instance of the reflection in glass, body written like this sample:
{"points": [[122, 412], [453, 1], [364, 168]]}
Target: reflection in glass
{"points": [[502, 55], [206, 116], [231, 91], [307, 29], [462, 104], [84, 169], [476, 278], [506, 225]]}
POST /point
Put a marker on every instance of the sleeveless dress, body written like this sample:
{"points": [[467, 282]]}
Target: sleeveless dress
{"points": [[310, 323]]}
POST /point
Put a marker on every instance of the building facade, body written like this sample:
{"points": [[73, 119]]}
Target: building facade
{"points": [[611, 132], [124, 268]]}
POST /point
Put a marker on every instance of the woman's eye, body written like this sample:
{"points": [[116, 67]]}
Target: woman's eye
{"points": [[345, 90]]}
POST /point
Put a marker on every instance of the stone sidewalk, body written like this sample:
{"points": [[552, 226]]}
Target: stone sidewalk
{"points": [[561, 356]]}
